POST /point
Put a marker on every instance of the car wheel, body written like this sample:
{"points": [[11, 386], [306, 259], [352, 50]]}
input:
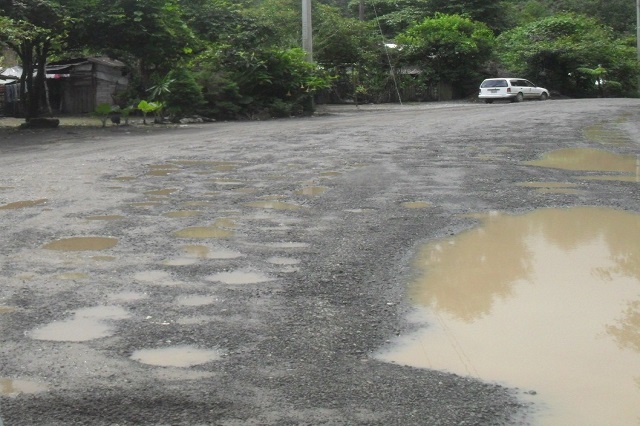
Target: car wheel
{"points": [[544, 96], [488, 101], [519, 97]]}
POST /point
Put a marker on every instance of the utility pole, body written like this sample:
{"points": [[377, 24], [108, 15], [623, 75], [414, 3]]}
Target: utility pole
{"points": [[307, 31], [638, 37], [361, 14]]}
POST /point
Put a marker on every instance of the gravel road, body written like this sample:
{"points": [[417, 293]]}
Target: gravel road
{"points": [[246, 273]]}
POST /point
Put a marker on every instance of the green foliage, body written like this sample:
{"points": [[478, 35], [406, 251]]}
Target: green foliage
{"points": [[551, 50], [104, 111], [149, 107], [255, 81], [449, 48], [184, 96]]}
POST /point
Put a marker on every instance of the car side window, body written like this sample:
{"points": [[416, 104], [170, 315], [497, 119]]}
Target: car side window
{"points": [[530, 84]]}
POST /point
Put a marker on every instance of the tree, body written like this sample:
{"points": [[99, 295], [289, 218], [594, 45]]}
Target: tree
{"points": [[447, 48], [151, 33], [491, 12], [551, 51], [33, 29]]}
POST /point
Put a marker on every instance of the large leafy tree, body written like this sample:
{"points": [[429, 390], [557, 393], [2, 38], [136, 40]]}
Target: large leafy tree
{"points": [[151, 33], [618, 14], [34, 29], [491, 12], [449, 48], [554, 50]]}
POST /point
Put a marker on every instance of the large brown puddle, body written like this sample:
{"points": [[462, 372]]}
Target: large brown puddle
{"points": [[588, 159], [82, 244], [546, 302]]}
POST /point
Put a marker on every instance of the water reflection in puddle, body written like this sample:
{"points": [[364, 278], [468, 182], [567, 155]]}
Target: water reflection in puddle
{"points": [[178, 356], [14, 387], [23, 204], [82, 244], [86, 324], [548, 301]]}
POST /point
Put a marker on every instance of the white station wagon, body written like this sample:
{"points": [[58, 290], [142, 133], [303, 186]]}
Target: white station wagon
{"points": [[512, 89]]}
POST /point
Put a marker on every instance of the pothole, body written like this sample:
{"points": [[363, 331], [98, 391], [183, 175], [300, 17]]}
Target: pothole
{"points": [[177, 356], [548, 301], [82, 244], [23, 204]]}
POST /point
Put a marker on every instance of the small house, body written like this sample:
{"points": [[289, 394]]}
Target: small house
{"points": [[77, 86]]}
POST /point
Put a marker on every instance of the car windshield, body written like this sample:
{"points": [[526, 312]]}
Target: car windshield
{"points": [[494, 83]]}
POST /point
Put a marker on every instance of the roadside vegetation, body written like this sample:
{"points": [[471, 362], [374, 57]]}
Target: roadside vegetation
{"points": [[230, 59]]}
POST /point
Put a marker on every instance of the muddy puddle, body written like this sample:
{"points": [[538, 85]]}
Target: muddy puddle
{"points": [[177, 356], [15, 387], [85, 324], [547, 302], [82, 244], [239, 277], [23, 204], [587, 159]]}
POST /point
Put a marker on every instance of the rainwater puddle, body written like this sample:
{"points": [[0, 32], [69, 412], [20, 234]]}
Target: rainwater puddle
{"points": [[275, 205], [622, 178], [548, 302], [416, 205], [72, 276], [23, 204], [6, 309], [178, 356], [195, 253], [86, 324], [125, 178], [14, 387], [240, 277], [162, 192], [603, 134], [587, 159], [82, 244], [311, 190], [183, 213]]}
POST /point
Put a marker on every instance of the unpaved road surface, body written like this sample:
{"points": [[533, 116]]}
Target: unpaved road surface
{"points": [[246, 273]]}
